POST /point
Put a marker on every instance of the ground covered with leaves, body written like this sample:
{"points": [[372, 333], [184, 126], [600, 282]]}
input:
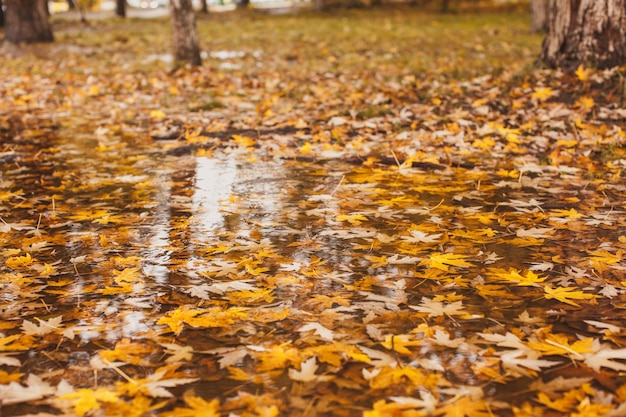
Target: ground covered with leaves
{"points": [[369, 213]]}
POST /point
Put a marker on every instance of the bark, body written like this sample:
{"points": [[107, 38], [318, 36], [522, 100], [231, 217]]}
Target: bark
{"points": [[27, 21], [120, 8], [585, 32], [1, 14], [243, 4], [184, 33], [539, 15], [204, 6]]}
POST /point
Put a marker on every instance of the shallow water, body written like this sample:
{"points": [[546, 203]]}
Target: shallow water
{"points": [[281, 261]]}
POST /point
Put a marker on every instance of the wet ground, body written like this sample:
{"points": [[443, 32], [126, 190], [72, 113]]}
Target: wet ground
{"points": [[245, 243]]}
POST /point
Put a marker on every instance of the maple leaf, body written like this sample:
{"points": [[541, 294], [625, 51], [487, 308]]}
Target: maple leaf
{"points": [[399, 343], [35, 389], [127, 275], [518, 361], [44, 327], [306, 372], [506, 340], [196, 407], [386, 376], [354, 219], [531, 279], [319, 330], [605, 357], [175, 319], [583, 73], [558, 344], [86, 400], [277, 357], [18, 262], [465, 407], [566, 295], [443, 260], [127, 351], [437, 308], [179, 353], [8, 343], [154, 385], [417, 236]]}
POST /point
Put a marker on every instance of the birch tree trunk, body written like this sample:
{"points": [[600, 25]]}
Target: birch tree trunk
{"points": [[27, 21], [587, 32], [184, 33], [539, 15]]}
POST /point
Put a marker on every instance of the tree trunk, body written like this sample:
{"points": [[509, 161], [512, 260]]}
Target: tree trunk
{"points": [[539, 15], [243, 4], [27, 21], [184, 33], [585, 32], [1, 14], [120, 8], [204, 6]]}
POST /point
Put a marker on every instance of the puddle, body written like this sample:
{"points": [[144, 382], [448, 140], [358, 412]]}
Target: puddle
{"points": [[233, 259]]}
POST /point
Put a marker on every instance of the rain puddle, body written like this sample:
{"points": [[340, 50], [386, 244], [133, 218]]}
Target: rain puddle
{"points": [[288, 286]]}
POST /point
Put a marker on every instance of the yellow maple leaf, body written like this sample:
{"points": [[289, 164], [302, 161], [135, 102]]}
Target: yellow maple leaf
{"points": [[9, 343], [399, 343], [405, 376], [570, 214], [176, 318], [6, 378], [354, 219], [196, 407], [244, 141], [306, 148], [126, 275], [443, 260], [583, 73], [382, 408], [531, 279], [251, 296], [47, 270], [465, 407], [86, 400], [218, 317], [566, 295], [128, 351], [585, 103], [157, 114], [542, 93], [278, 357], [558, 344], [17, 262]]}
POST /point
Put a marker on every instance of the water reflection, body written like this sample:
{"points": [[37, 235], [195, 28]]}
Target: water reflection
{"points": [[214, 181]]}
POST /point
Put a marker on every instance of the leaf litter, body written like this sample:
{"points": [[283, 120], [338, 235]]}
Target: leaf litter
{"points": [[358, 221]]}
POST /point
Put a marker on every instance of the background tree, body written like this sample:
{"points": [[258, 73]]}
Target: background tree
{"points": [[243, 4], [27, 21], [539, 15], [120, 8], [184, 32], [1, 14], [588, 32]]}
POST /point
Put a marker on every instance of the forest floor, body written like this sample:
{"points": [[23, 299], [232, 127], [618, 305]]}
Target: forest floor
{"points": [[358, 213]]}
